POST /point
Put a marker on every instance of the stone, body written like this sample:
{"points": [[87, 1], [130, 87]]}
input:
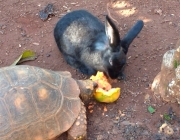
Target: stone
{"points": [[167, 82]]}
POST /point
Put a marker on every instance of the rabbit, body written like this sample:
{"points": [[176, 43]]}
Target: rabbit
{"points": [[90, 46]]}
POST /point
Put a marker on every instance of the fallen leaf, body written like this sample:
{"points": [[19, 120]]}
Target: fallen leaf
{"points": [[167, 117], [25, 56], [151, 109]]}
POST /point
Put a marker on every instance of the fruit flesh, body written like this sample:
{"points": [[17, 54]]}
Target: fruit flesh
{"points": [[104, 92]]}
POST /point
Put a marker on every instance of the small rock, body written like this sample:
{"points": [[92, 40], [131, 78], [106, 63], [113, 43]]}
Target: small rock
{"points": [[46, 12], [48, 55], [125, 123], [158, 11], [115, 131], [105, 109], [3, 26], [37, 44]]}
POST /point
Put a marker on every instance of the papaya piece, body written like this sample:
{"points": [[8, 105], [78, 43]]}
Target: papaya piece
{"points": [[101, 81], [107, 96], [104, 92]]}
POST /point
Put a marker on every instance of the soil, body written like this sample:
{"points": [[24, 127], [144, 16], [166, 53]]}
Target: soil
{"points": [[128, 118]]}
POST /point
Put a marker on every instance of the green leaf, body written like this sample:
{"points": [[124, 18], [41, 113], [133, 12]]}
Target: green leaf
{"points": [[176, 64], [151, 109], [167, 117], [25, 56]]}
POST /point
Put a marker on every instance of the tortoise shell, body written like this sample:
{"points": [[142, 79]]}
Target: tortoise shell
{"points": [[35, 103]]}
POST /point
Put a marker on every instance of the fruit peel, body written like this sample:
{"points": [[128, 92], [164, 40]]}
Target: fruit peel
{"points": [[107, 96]]}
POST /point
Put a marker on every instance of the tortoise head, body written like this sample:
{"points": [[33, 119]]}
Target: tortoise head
{"points": [[87, 88]]}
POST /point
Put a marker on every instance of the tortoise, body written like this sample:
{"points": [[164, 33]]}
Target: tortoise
{"points": [[40, 104]]}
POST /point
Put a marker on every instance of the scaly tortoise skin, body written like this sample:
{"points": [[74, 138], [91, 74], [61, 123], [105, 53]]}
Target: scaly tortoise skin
{"points": [[40, 104]]}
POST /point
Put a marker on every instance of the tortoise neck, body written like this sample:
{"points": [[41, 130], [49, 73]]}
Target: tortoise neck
{"points": [[87, 88]]}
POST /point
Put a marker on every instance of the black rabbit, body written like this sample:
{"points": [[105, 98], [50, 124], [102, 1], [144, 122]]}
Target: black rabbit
{"points": [[90, 46]]}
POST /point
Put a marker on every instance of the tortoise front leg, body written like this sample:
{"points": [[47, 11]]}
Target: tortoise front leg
{"points": [[78, 131]]}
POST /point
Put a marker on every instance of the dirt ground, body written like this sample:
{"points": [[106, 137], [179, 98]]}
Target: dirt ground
{"points": [[127, 118]]}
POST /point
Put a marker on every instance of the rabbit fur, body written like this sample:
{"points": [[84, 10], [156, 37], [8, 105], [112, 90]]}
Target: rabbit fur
{"points": [[90, 46]]}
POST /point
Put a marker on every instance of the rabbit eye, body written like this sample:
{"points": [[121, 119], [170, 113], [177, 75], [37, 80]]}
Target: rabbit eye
{"points": [[110, 61]]}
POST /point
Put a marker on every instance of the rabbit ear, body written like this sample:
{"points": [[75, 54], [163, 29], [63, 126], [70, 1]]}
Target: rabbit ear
{"points": [[131, 34], [112, 33]]}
